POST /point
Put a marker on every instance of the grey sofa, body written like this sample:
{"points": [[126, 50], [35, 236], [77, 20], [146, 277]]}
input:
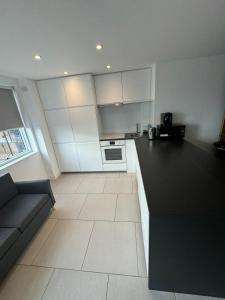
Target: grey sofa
{"points": [[23, 208]]}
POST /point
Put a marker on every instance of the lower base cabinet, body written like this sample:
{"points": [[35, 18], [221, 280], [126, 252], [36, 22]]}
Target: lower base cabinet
{"points": [[89, 156], [67, 157]]}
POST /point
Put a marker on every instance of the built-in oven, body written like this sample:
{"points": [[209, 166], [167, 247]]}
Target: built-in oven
{"points": [[113, 151]]}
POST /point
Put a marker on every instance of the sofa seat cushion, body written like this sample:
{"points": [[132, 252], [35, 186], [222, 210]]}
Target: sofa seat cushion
{"points": [[7, 237], [20, 210]]}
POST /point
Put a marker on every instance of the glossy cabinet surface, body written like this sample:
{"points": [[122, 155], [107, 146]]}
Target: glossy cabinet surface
{"points": [[108, 88], [89, 156], [79, 90], [67, 157], [84, 123], [58, 122], [52, 93]]}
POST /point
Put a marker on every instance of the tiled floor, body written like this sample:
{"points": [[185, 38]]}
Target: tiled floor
{"points": [[89, 248]]}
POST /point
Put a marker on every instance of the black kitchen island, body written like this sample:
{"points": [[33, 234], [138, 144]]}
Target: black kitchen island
{"points": [[185, 194]]}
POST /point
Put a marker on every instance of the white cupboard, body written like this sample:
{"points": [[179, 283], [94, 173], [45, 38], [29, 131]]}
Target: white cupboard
{"points": [[84, 123], [136, 85], [59, 125], [67, 157], [52, 93], [130, 155], [79, 90], [108, 88], [89, 156]]}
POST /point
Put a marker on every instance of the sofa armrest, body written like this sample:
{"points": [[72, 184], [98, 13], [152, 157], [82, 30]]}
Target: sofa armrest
{"points": [[36, 187]]}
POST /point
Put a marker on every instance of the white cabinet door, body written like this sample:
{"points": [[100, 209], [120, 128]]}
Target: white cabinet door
{"points": [[67, 157], [59, 125], [108, 88], [79, 90], [52, 93], [89, 156], [130, 155], [136, 85], [84, 123]]}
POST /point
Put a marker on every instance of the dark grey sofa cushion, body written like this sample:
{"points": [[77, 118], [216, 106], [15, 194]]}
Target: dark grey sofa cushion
{"points": [[20, 211], [8, 189], [7, 237]]}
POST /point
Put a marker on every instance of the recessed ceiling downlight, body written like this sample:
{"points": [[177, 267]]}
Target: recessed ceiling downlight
{"points": [[66, 73], [108, 67], [99, 46], [37, 57]]}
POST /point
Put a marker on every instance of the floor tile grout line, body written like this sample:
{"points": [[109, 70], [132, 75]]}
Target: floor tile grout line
{"points": [[88, 245], [80, 270], [82, 206], [95, 220], [107, 287], [135, 228], [45, 241], [47, 285]]}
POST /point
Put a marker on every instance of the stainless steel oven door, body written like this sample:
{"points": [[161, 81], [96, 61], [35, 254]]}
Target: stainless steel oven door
{"points": [[113, 154]]}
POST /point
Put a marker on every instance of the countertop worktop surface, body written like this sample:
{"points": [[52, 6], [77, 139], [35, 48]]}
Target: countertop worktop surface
{"points": [[118, 136], [180, 178]]}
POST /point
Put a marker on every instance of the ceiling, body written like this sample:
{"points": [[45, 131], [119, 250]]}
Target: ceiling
{"points": [[134, 33]]}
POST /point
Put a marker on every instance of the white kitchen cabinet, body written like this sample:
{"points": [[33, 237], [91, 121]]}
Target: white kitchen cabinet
{"points": [[84, 123], [59, 125], [79, 90], [136, 85], [108, 88], [89, 156], [67, 157], [130, 155], [52, 93]]}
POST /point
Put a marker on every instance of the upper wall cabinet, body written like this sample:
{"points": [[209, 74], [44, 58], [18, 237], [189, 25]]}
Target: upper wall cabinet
{"points": [[52, 93], [79, 90], [108, 88], [136, 85]]}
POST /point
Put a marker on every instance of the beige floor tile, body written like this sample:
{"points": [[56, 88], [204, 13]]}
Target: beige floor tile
{"points": [[39, 239], [66, 183], [66, 245], [99, 207], [127, 208], [68, 206], [25, 283], [75, 285], [194, 297], [104, 175], [133, 288], [142, 271], [122, 185], [112, 248], [91, 185]]}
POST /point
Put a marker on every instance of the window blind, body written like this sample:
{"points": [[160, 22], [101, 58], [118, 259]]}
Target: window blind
{"points": [[9, 114]]}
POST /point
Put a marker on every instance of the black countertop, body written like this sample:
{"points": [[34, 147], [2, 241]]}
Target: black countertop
{"points": [[181, 179]]}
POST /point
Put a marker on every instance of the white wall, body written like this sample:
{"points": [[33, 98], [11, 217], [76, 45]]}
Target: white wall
{"points": [[194, 90], [32, 167], [123, 118], [33, 107]]}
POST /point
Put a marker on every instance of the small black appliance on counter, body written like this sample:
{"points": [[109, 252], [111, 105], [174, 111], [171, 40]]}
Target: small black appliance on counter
{"points": [[168, 129]]}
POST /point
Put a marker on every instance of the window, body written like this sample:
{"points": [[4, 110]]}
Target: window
{"points": [[13, 144]]}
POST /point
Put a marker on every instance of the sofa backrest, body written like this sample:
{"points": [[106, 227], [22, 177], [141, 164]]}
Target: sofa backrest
{"points": [[7, 189]]}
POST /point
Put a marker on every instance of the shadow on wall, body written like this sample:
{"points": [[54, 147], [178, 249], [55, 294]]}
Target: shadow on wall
{"points": [[193, 131]]}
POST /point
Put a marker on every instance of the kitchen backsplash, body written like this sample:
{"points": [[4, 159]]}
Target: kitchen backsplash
{"points": [[123, 118]]}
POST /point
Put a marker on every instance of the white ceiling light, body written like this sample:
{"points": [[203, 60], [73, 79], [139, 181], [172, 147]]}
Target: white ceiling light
{"points": [[117, 104], [66, 73], [37, 57], [99, 46], [108, 67]]}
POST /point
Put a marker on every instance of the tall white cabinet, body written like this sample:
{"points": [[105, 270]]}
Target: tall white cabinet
{"points": [[70, 109]]}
